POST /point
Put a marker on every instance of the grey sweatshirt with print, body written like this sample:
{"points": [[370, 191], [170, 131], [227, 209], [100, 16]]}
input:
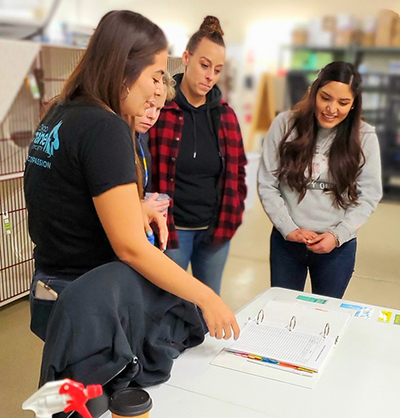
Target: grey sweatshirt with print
{"points": [[316, 211]]}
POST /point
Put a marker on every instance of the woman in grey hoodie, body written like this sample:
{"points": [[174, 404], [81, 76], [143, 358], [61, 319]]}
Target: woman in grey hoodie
{"points": [[319, 180]]}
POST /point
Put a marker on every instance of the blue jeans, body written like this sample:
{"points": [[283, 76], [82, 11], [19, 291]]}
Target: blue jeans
{"points": [[207, 260], [330, 273]]}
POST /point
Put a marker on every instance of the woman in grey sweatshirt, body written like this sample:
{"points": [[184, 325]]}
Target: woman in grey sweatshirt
{"points": [[319, 180]]}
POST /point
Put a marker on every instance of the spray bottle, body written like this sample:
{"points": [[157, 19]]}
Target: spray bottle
{"points": [[63, 395]]}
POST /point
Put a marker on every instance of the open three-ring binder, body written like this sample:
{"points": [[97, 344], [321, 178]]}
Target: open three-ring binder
{"points": [[291, 335]]}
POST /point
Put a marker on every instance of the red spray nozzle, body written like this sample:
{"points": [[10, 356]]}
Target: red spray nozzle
{"points": [[62, 395], [93, 391], [79, 396]]}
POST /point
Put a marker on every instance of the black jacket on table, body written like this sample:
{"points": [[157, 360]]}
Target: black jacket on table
{"points": [[113, 324]]}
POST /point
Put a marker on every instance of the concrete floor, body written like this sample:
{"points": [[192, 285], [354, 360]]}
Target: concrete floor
{"points": [[376, 281]]}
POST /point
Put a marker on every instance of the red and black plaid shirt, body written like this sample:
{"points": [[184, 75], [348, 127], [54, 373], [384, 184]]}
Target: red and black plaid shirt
{"points": [[164, 141]]}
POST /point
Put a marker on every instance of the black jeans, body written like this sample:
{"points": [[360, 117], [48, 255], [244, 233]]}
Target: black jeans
{"points": [[330, 273]]}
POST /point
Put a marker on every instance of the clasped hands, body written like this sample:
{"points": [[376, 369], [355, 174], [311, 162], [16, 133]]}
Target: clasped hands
{"points": [[317, 243]]}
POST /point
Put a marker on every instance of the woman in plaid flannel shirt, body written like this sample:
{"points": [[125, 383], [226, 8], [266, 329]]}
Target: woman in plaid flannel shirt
{"points": [[198, 159]]}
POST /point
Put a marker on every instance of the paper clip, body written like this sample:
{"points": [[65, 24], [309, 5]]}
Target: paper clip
{"points": [[260, 316], [292, 323], [326, 330]]}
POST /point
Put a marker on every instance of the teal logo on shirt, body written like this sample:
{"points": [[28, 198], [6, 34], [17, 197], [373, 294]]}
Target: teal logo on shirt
{"points": [[46, 141]]}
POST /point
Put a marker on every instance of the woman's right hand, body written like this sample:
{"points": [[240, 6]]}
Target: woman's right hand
{"points": [[123, 218], [220, 320], [151, 215], [301, 235], [158, 205]]}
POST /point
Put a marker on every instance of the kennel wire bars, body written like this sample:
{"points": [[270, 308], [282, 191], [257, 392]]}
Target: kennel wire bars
{"points": [[50, 69]]}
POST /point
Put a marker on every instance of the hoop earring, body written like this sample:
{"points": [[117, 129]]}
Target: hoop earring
{"points": [[127, 91]]}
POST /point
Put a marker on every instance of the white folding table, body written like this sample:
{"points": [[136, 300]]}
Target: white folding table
{"points": [[361, 377]]}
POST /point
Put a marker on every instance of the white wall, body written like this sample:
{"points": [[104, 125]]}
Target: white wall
{"points": [[236, 16]]}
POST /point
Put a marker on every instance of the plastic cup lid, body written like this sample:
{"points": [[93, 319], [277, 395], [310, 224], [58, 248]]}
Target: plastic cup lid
{"points": [[130, 402]]}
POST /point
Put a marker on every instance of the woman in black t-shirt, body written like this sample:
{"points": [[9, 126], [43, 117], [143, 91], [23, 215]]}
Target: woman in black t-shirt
{"points": [[81, 186]]}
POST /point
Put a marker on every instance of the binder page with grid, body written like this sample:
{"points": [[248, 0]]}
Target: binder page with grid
{"points": [[307, 350]]}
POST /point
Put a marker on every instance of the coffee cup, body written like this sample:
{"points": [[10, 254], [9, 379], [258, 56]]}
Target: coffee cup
{"points": [[130, 402]]}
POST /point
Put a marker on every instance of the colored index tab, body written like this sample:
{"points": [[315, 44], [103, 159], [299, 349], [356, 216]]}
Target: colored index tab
{"points": [[361, 311], [350, 306], [311, 299], [397, 319], [384, 316]]}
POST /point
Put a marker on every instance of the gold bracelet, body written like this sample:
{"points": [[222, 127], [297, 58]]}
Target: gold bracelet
{"points": [[336, 238]]}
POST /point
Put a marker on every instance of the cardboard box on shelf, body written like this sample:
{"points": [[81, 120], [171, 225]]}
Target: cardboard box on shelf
{"points": [[366, 36], [367, 39], [385, 27], [396, 33], [396, 41], [299, 36], [329, 23], [344, 37], [345, 31]]}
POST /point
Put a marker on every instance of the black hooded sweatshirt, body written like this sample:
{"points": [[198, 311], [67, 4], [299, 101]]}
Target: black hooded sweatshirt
{"points": [[199, 162]]}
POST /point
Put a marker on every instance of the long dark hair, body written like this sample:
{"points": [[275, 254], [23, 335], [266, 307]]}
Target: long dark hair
{"points": [[122, 46], [346, 158], [210, 29]]}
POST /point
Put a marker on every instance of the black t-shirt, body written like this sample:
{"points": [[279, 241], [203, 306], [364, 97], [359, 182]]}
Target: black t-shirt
{"points": [[78, 152]]}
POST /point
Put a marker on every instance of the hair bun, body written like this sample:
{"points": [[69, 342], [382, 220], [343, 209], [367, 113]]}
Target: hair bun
{"points": [[211, 25]]}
